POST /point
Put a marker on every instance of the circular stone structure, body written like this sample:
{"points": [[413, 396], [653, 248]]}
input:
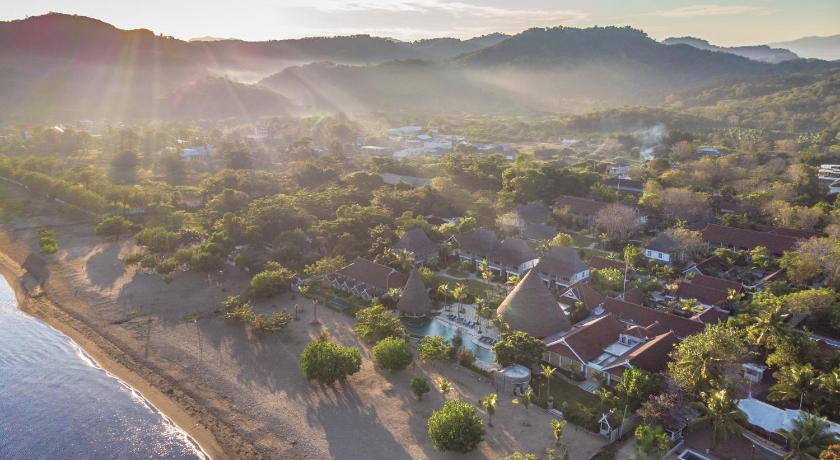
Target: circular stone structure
{"points": [[513, 379]]}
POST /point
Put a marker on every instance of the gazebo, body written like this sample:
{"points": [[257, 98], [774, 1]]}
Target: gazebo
{"points": [[531, 307], [414, 301]]}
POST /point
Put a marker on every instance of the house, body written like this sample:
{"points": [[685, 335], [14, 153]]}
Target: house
{"points": [[476, 245], [561, 267], [538, 232], [418, 244], [773, 421], [530, 307], [414, 301], [602, 349], [600, 263], [196, 153], [366, 279], [776, 240], [664, 249], [513, 256], [709, 266], [618, 169], [709, 151], [398, 179], [582, 211], [622, 185]]}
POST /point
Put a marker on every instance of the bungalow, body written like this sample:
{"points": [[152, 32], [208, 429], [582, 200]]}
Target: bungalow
{"points": [[583, 211], [512, 256], [366, 279], [600, 263], [776, 240], [562, 267], [622, 185], [196, 153], [664, 249], [709, 266], [582, 292], [602, 349], [527, 214], [538, 232], [530, 307], [709, 151], [418, 244], [476, 245], [638, 315]]}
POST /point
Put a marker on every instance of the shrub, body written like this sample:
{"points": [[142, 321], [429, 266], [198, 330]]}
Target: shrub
{"points": [[466, 358], [46, 239], [241, 312], [166, 266], [270, 323], [113, 226], [376, 323], [133, 258], [392, 353], [327, 362], [157, 239], [420, 386], [456, 427], [518, 348], [271, 282], [435, 347]]}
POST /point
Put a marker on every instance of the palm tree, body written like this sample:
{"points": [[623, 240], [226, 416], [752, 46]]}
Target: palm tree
{"points": [[557, 428], [808, 438], [489, 403], [768, 326], [547, 372], [459, 294], [721, 414], [480, 308], [444, 386], [526, 398], [793, 382], [829, 384], [512, 281], [315, 311], [443, 290]]}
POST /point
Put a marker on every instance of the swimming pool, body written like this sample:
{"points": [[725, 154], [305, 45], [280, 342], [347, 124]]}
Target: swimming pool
{"points": [[433, 327]]}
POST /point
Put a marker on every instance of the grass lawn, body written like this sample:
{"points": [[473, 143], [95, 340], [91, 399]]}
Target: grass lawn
{"points": [[475, 288], [457, 272], [578, 406]]}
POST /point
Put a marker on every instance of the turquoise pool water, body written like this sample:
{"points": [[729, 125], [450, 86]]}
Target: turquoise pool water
{"points": [[433, 327]]}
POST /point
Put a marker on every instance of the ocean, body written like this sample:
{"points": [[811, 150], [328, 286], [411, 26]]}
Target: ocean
{"points": [[56, 403]]}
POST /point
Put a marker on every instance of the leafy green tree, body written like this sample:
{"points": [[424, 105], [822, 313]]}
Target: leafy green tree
{"points": [[518, 347], [124, 167], [651, 440], [760, 257], [157, 239], [434, 348], [392, 353], [376, 323], [173, 167], [456, 427], [700, 360], [489, 404], [721, 414], [635, 387], [113, 226], [561, 240], [327, 362], [558, 427], [271, 282], [607, 280], [808, 438], [547, 373], [47, 242], [419, 386], [829, 386]]}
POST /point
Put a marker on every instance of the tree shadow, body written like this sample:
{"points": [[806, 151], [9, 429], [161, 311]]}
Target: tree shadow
{"points": [[104, 267]]}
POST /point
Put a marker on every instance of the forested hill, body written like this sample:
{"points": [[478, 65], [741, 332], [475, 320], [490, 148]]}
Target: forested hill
{"points": [[798, 102]]}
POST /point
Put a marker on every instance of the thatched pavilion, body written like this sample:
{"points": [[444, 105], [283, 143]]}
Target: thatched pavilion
{"points": [[414, 301], [530, 307]]}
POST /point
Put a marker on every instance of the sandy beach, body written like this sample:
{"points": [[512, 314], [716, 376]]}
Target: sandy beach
{"points": [[240, 394]]}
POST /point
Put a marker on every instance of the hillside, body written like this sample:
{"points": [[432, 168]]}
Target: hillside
{"points": [[827, 48], [761, 53], [795, 102]]}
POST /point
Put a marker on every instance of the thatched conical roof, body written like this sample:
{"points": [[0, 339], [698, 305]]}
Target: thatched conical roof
{"points": [[530, 307], [414, 300]]}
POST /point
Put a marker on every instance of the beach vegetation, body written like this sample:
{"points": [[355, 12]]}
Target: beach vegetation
{"points": [[456, 427], [327, 362], [47, 242], [376, 323], [392, 354], [420, 386]]}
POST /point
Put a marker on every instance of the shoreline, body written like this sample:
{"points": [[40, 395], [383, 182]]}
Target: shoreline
{"points": [[186, 414]]}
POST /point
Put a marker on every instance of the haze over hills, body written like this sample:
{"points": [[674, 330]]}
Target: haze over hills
{"points": [[60, 66], [827, 48], [761, 53]]}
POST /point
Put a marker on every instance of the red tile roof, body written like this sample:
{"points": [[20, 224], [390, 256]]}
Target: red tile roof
{"points": [[702, 294], [598, 263], [719, 284], [643, 316], [589, 340], [747, 239]]}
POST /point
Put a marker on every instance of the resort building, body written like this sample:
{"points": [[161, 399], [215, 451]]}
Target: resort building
{"points": [[562, 267], [530, 307], [414, 301], [366, 279], [664, 249], [513, 256], [602, 349], [776, 240], [418, 244], [638, 315]]}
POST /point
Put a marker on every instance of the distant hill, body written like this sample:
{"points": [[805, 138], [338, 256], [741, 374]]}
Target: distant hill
{"points": [[63, 67], [761, 53], [558, 69], [827, 48]]}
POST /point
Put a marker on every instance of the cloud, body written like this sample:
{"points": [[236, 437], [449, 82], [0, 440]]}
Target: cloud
{"points": [[457, 17], [711, 10]]}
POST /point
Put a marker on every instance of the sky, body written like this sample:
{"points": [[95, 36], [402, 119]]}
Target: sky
{"points": [[740, 22]]}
